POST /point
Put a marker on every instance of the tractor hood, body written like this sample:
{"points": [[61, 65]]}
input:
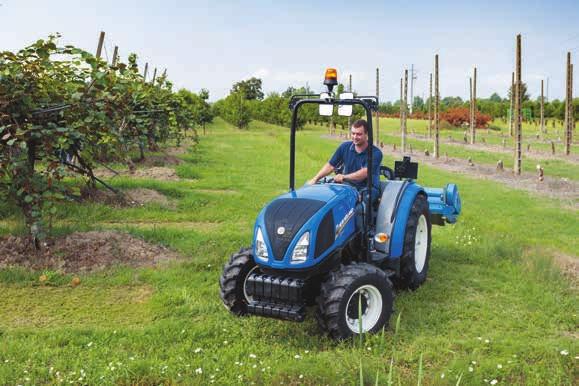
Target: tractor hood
{"points": [[300, 228]]}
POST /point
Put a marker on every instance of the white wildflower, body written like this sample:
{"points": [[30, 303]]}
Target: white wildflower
{"points": [[297, 356], [301, 376], [470, 369], [494, 382], [442, 376], [89, 344], [499, 366], [199, 371], [253, 356], [564, 352], [197, 350]]}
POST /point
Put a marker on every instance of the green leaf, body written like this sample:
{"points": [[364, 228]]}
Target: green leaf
{"points": [[28, 199]]}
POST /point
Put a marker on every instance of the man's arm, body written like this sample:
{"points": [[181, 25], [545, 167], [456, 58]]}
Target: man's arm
{"points": [[324, 171], [358, 175]]}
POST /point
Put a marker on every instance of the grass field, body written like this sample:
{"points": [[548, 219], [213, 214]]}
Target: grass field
{"points": [[559, 166], [495, 308]]}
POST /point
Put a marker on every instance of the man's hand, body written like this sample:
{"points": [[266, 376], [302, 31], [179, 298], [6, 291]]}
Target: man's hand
{"points": [[313, 181], [339, 178]]}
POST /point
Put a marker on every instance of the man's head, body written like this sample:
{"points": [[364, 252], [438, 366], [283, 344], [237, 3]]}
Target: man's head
{"points": [[359, 132]]}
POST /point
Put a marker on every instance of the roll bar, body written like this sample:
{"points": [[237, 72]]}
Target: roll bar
{"points": [[369, 103]]}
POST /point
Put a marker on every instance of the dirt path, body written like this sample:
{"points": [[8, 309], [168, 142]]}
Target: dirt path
{"points": [[553, 187], [527, 152]]}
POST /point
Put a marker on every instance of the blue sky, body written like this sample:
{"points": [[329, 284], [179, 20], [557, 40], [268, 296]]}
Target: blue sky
{"points": [[212, 44]]}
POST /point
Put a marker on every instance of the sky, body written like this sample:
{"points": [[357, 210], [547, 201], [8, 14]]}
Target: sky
{"points": [[213, 44]]}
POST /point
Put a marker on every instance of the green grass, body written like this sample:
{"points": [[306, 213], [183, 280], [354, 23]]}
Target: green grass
{"points": [[560, 167], [492, 297]]}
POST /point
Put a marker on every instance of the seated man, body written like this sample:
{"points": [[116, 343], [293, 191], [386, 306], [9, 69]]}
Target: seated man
{"points": [[353, 156]]}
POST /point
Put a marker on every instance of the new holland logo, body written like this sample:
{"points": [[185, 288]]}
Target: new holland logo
{"points": [[342, 224]]}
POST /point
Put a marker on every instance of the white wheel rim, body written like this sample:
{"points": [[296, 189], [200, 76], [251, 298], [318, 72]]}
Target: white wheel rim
{"points": [[420, 243], [247, 297], [372, 298]]}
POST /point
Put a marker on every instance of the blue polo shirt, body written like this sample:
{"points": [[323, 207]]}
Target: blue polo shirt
{"points": [[353, 161]]}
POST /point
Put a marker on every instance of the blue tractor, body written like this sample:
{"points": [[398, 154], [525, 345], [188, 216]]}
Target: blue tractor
{"points": [[335, 247]]}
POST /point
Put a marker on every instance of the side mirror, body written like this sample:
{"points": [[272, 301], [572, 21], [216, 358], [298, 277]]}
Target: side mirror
{"points": [[345, 110], [326, 110]]}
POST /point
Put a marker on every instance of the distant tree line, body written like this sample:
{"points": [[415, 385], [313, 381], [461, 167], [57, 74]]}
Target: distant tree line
{"points": [[247, 101]]}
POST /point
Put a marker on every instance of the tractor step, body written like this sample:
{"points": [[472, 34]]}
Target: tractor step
{"points": [[276, 296], [295, 312]]}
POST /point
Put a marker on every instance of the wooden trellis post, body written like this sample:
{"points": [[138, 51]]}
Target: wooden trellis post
{"points": [[518, 110], [401, 97], [512, 111], [430, 109], [115, 56], [377, 111], [569, 114], [470, 120], [404, 111], [100, 45], [473, 110], [543, 129], [436, 109]]}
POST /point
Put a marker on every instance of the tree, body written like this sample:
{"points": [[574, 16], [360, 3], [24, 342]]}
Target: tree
{"points": [[235, 109], [495, 98], [250, 89], [524, 95], [418, 104]]}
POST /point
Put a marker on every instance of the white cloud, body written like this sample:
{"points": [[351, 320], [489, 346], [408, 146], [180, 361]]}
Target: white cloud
{"points": [[261, 73]]}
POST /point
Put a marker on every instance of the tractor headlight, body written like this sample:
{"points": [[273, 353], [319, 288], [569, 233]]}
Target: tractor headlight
{"points": [[301, 249], [260, 247]]}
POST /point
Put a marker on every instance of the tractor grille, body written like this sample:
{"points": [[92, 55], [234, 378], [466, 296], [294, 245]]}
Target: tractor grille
{"points": [[291, 214], [326, 234]]}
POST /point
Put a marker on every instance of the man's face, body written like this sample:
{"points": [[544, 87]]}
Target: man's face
{"points": [[359, 137]]}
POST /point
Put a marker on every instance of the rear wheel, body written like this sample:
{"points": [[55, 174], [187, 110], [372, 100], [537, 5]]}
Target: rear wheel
{"points": [[232, 281], [357, 297], [416, 253]]}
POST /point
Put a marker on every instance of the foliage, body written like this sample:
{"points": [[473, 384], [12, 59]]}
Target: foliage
{"points": [[62, 110], [250, 89], [461, 116], [235, 109]]}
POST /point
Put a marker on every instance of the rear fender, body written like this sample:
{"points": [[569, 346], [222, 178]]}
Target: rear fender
{"points": [[401, 218], [395, 204]]}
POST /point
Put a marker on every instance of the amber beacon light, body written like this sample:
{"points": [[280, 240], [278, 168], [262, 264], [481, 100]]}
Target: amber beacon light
{"points": [[331, 78]]}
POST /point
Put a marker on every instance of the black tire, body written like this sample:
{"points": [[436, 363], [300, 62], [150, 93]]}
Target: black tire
{"points": [[337, 301], [410, 276], [232, 281]]}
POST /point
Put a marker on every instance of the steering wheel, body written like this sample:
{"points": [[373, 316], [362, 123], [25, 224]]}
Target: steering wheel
{"points": [[387, 172]]}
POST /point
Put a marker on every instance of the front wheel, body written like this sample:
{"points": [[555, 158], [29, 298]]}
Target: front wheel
{"points": [[416, 253], [232, 281], [356, 298]]}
